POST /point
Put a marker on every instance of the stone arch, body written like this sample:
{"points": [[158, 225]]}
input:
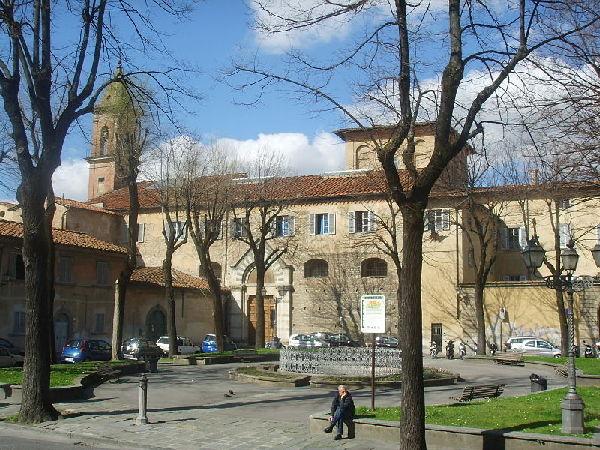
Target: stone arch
{"points": [[241, 270]]}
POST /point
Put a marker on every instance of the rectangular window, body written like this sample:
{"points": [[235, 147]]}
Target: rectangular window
{"points": [[102, 273], [179, 229], [284, 226], [437, 220], [16, 266], [239, 228], [564, 230], [65, 266], [19, 322], [141, 232], [513, 238], [322, 223], [360, 222], [515, 278], [99, 323]]}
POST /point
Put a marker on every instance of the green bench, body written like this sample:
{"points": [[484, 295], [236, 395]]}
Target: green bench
{"points": [[480, 391]]}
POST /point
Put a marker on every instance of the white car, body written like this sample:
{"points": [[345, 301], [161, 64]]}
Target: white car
{"points": [[186, 347], [306, 341], [515, 343], [540, 347]]}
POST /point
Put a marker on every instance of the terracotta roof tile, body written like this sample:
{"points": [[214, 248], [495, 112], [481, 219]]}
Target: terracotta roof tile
{"points": [[118, 200], [69, 203], [154, 276], [63, 237]]}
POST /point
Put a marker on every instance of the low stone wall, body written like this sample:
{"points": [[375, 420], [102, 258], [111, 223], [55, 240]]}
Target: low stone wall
{"points": [[266, 381], [83, 388], [316, 382], [445, 437]]}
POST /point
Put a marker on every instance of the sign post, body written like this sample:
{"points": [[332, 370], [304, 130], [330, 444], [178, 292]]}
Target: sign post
{"points": [[372, 321]]}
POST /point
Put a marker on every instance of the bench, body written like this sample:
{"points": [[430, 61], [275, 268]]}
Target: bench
{"points": [[562, 370], [6, 389], [244, 353], [509, 358], [480, 391]]}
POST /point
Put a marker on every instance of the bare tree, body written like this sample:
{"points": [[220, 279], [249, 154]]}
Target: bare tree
{"points": [[480, 222], [131, 139], [259, 223], [387, 62], [209, 190], [171, 184]]}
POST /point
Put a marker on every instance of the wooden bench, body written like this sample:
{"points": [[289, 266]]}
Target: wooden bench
{"points": [[6, 389], [509, 358], [480, 391], [562, 370]]}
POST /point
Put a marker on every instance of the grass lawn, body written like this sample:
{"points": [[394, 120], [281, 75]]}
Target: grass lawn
{"points": [[60, 374], [428, 374], [589, 366], [535, 413]]}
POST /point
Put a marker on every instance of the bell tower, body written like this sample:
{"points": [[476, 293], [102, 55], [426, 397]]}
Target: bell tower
{"points": [[114, 107]]}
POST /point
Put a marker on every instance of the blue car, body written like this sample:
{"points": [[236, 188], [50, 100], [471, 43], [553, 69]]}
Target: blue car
{"points": [[209, 344], [79, 350]]}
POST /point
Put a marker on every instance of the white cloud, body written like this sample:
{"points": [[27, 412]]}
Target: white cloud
{"points": [[71, 179], [324, 152]]}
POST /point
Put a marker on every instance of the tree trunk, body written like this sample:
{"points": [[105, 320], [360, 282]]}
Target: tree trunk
{"points": [[170, 294], [412, 423], [215, 289], [562, 320], [260, 308], [35, 405], [119, 315], [480, 317], [125, 275], [50, 210]]}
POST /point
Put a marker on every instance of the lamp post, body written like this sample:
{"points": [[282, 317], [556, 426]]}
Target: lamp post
{"points": [[533, 255]]}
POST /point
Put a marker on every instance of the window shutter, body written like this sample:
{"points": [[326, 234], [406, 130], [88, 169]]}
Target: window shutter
{"points": [[564, 233], [351, 223], [446, 219], [12, 266], [141, 232], [522, 237], [220, 235], [504, 238], [372, 222], [292, 225], [598, 232], [312, 224], [426, 221], [331, 223]]}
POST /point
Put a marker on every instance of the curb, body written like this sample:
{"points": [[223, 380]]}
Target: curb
{"points": [[83, 437]]}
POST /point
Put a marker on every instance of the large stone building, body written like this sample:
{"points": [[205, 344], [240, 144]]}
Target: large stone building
{"points": [[333, 220]]}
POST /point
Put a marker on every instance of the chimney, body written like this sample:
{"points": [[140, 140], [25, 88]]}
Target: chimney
{"points": [[534, 176]]}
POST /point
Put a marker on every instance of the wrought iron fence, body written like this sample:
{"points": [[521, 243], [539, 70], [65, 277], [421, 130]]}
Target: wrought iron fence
{"points": [[350, 361]]}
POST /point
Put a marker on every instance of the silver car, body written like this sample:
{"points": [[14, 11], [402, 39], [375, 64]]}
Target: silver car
{"points": [[541, 348]]}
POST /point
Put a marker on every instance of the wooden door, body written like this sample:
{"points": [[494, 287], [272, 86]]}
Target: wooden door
{"points": [[270, 318]]}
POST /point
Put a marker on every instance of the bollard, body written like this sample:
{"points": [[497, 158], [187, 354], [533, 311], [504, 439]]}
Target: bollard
{"points": [[141, 419]]}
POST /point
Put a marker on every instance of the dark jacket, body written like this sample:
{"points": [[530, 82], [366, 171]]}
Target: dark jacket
{"points": [[346, 404]]}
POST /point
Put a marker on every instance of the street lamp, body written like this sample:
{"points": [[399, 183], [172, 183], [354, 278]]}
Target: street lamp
{"points": [[533, 254]]}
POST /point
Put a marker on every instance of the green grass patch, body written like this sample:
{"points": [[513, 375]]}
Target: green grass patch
{"points": [[428, 374], [535, 413], [60, 374], [589, 366]]}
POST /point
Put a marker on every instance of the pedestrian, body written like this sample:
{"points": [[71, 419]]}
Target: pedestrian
{"points": [[342, 411]]}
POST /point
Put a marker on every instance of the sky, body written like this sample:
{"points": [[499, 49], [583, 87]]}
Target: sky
{"points": [[219, 32]]}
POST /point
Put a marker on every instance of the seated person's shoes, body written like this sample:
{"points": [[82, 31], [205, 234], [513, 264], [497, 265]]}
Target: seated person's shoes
{"points": [[337, 437]]}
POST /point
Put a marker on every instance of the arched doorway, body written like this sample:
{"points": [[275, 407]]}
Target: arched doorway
{"points": [[62, 330], [156, 323]]}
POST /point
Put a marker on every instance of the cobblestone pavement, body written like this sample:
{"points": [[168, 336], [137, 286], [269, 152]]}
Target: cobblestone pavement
{"points": [[188, 408]]}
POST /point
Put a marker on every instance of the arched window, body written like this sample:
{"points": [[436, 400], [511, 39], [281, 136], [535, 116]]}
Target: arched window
{"points": [[316, 268], [373, 267], [364, 157], [103, 140]]}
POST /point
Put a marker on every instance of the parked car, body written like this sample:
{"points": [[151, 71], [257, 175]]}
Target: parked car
{"points": [[341, 340], [79, 350], [386, 341], [540, 347], [6, 359], [306, 341], [209, 344], [515, 343], [139, 348], [320, 335], [15, 352], [185, 345]]}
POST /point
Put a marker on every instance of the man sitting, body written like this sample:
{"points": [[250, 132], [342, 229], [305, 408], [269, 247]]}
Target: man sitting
{"points": [[342, 411]]}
